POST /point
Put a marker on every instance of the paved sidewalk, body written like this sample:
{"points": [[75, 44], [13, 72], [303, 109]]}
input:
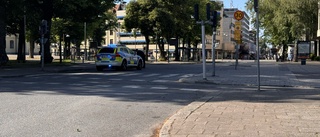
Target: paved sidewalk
{"points": [[287, 104]]}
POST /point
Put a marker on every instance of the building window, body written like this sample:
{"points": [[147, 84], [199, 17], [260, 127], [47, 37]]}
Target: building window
{"points": [[111, 32], [111, 41], [11, 44], [218, 33], [217, 41]]}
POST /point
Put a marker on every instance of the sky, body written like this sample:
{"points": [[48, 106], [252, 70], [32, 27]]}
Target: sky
{"points": [[240, 4]]}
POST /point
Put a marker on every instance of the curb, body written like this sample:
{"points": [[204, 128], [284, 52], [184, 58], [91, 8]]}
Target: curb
{"points": [[184, 113]]}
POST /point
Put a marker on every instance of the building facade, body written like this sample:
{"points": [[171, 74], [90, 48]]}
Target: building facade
{"points": [[134, 39], [225, 38], [12, 42]]}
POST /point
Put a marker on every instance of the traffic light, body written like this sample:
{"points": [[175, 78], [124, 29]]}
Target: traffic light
{"points": [[214, 19], [43, 29], [208, 11], [255, 5], [196, 12]]}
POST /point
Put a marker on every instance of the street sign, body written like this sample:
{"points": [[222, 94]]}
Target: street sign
{"points": [[238, 15], [237, 34], [237, 25], [303, 49]]}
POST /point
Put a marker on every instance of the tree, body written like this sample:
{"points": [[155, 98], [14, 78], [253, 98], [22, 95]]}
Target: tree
{"points": [[295, 20], [137, 16], [167, 19], [3, 55]]}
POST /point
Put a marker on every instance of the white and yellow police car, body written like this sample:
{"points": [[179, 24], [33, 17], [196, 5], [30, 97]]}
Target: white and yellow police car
{"points": [[117, 56]]}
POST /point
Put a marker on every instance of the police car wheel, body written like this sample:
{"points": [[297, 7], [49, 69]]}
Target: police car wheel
{"points": [[124, 65]]}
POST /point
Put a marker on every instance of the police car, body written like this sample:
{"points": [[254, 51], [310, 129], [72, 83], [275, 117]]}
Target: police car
{"points": [[117, 56]]}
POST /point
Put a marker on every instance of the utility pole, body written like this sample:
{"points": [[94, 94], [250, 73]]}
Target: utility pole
{"points": [[256, 7]]}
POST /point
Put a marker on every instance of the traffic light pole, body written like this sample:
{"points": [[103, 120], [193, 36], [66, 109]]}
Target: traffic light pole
{"points": [[256, 9], [258, 52], [203, 50], [42, 52], [213, 50]]}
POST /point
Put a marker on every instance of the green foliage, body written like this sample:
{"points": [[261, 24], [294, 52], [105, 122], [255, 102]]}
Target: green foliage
{"points": [[284, 25], [317, 58], [167, 19], [312, 56]]}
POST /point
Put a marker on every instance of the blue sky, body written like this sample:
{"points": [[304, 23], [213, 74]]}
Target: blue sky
{"points": [[240, 4]]}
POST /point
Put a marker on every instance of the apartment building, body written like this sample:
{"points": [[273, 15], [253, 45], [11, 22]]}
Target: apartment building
{"points": [[134, 39], [225, 42]]}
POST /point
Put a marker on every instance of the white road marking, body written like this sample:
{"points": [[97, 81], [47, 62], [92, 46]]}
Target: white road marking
{"points": [[131, 86], [189, 89], [169, 75], [115, 79], [161, 80], [138, 80], [150, 75], [159, 87]]}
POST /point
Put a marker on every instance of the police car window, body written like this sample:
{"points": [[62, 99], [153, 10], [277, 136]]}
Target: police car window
{"points": [[130, 51], [107, 50], [124, 50]]}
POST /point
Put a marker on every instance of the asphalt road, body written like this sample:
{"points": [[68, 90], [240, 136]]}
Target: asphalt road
{"points": [[90, 103]]}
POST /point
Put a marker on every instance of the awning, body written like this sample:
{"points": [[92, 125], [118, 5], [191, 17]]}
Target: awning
{"points": [[129, 34], [120, 17], [132, 41]]}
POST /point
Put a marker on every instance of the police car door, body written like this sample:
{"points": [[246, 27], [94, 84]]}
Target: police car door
{"points": [[133, 55], [128, 56]]}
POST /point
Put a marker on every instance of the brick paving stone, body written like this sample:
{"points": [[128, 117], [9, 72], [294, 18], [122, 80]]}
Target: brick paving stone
{"points": [[287, 106]]}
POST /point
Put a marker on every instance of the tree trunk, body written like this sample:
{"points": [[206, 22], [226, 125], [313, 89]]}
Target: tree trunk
{"points": [[284, 49], [161, 49], [31, 49], [47, 9], [3, 55], [22, 43], [147, 47], [189, 49], [176, 51]]}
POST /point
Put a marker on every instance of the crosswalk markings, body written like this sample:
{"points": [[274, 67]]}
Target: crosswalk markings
{"points": [[115, 79], [150, 75], [131, 86], [188, 89], [169, 75], [159, 87], [187, 75], [76, 84], [104, 86], [138, 80], [161, 80], [132, 74]]}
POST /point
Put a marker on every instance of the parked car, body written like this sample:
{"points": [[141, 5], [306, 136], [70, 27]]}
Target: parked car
{"points": [[117, 56]]}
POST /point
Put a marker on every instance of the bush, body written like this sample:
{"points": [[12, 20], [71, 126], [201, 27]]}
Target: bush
{"points": [[317, 58], [312, 57]]}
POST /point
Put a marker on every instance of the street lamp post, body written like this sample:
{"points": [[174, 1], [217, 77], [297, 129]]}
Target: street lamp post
{"points": [[60, 56], [85, 42]]}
